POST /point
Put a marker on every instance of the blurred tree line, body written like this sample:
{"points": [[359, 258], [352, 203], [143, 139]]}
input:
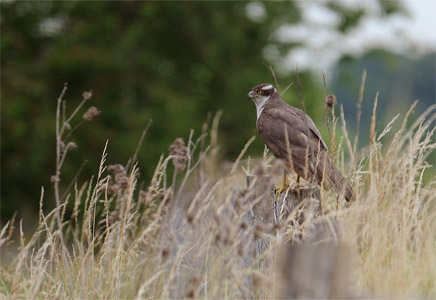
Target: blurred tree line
{"points": [[172, 62], [398, 79]]}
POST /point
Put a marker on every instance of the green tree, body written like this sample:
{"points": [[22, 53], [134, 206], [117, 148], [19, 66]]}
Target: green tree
{"points": [[173, 62]]}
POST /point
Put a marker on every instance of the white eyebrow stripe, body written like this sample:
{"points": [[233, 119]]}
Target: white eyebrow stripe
{"points": [[268, 87]]}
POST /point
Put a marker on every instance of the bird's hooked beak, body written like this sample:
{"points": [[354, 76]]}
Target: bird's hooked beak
{"points": [[250, 95]]}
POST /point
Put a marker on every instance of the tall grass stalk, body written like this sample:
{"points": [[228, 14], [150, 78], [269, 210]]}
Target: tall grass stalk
{"points": [[194, 236]]}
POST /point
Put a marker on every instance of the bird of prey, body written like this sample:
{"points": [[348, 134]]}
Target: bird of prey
{"points": [[291, 135]]}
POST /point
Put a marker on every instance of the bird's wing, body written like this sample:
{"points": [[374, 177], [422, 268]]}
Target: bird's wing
{"points": [[301, 133], [309, 122]]}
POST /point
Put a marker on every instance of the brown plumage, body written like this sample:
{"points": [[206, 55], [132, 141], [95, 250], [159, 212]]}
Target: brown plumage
{"points": [[307, 155]]}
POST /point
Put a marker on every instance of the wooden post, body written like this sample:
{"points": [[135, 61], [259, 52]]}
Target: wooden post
{"points": [[314, 263], [319, 268], [302, 202], [301, 205]]}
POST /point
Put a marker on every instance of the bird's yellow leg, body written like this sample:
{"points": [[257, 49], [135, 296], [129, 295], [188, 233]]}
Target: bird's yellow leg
{"points": [[298, 186], [279, 190]]}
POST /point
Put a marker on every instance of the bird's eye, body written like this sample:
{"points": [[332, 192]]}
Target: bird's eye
{"points": [[260, 92]]}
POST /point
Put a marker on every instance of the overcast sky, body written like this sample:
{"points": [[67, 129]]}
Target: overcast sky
{"points": [[424, 24], [413, 34]]}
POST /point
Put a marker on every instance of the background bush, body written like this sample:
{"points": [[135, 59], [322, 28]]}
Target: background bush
{"points": [[175, 63]]}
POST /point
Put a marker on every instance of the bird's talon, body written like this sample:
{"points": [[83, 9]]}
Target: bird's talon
{"points": [[279, 191]]}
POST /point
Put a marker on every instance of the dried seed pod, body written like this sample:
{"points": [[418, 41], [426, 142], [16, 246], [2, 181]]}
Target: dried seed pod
{"points": [[113, 189], [190, 218], [217, 238], [87, 95], [243, 226], [330, 101], [180, 154], [113, 217], [260, 169], [71, 146], [117, 168], [122, 180], [91, 113], [165, 253]]}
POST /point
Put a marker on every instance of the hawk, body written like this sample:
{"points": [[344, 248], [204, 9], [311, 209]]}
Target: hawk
{"points": [[291, 135]]}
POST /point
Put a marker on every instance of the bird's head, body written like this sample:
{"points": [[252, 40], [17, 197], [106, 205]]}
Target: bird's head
{"points": [[261, 93]]}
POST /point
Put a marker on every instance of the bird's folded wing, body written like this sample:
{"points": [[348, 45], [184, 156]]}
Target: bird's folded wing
{"points": [[300, 133], [309, 122]]}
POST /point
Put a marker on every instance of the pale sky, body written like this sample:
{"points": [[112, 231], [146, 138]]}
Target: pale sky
{"points": [[322, 46], [424, 26]]}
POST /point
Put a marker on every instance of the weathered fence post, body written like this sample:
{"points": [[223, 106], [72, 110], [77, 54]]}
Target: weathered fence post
{"points": [[312, 264], [319, 268], [300, 202]]}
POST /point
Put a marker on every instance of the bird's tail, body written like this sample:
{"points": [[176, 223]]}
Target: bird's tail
{"points": [[331, 177]]}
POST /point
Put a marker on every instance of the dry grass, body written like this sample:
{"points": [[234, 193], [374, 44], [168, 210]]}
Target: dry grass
{"points": [[190, 233]]}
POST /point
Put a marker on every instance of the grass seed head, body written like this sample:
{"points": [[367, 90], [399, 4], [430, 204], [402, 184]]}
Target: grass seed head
{"points": [[122, 180], [190, 218], [277, 226], [243, 226], [260, 169], [240, 251], [180, 154], [115, 168], [164, 195], [113, 189], [165, 253], [330, 101], [113, 217], [87, 95], [71, 145], [91, 113], [217, 238], [258, 230]]}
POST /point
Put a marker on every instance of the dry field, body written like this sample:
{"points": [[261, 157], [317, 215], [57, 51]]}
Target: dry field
{"points": [[198, 230]]}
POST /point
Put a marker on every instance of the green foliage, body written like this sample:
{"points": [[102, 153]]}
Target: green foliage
{"points": [[170, 62], [174, 62], [398, 80]]}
